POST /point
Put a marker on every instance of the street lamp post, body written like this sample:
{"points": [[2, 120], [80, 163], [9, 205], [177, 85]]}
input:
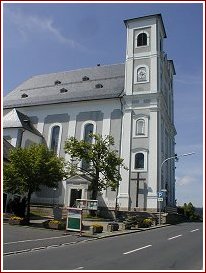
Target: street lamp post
{"points": [[176, 157]]}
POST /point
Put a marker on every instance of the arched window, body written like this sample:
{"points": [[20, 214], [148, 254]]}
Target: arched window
{"points": [[140, 127], [142, 39], [55, 138], [88, 129], [139, 161]]}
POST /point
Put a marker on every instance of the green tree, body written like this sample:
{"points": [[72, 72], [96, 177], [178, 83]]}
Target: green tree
{"points": [[99, 161], [189, 210], [29, 169]]}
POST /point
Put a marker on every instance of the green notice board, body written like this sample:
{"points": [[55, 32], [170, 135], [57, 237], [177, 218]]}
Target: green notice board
{"points": [[74, 219]]}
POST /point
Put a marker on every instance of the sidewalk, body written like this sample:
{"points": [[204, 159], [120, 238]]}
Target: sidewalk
{"points": [[38, 223], [121, 231]]}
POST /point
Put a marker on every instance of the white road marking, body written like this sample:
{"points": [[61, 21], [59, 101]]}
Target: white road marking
{"points": [[16, 242], [16, 252], [136, 249], [53, 246], [174, 237], [194, 230], [81, 267]]}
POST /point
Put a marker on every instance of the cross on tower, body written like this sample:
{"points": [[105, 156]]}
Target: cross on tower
{"points": [[138, 179]]}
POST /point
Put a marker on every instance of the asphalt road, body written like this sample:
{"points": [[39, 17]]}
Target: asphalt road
{"points": [[178, 247], [23, 238]]}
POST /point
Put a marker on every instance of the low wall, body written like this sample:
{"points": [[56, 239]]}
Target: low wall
{"points": [[167, 218]]}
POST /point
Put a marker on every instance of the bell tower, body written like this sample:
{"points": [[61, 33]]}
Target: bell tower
{"points": [[143, 108], [144, 43]]}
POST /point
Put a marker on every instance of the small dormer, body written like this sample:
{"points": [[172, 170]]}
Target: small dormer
{"points": [[24, 95], [63, 90], [57, 82], [98, 85], [85, 78]]}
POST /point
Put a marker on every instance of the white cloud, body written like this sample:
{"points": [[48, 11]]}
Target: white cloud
{"points": [[29, 25], [185, 180]]}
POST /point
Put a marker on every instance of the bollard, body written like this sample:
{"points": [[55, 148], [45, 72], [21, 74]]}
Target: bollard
{"points": [[91, 230], [109, 228]]}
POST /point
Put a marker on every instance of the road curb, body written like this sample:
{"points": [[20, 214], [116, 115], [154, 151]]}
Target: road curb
{"points": [[123, 233]]}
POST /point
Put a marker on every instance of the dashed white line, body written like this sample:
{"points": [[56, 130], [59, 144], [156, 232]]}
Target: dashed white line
{"points": [[194, 230], [50, 238], [134, 250], [53, 246], [174, 237]]}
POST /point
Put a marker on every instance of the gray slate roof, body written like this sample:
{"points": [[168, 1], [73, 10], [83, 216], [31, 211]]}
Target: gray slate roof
{"points": [[41, 89], [16, 119]]}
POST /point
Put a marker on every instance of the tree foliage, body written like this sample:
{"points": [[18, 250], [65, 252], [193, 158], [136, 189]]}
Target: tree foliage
{"points": [[30, 168], [189, 211], [102, 161]]}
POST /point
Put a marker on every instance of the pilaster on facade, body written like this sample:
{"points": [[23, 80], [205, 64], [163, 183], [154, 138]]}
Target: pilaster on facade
{"points": [[153, 183], [123, 193], [71, 132]]}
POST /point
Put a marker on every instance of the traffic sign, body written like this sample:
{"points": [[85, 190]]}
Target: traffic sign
{"points": [[160, 199], [160, 194]]}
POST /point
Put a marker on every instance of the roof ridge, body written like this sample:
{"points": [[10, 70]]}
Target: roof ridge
{"points": [[79, 69]]}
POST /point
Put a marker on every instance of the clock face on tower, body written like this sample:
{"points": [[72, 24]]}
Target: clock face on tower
{"points": [[141, 74]]}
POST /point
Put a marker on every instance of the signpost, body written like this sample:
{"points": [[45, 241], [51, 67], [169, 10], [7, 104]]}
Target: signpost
{"points": [[74, 219], [160, 198], [74, 215]]}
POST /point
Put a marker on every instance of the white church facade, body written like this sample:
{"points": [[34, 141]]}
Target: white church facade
{"points": [[132, 101]]}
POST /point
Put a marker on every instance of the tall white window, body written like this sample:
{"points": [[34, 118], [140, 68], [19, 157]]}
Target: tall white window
{"points": [[55, 139], [88, 130]]}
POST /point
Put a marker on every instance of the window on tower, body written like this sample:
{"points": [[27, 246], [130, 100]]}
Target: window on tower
{"points": [[140, 127], [139, 161], [142, 39]]}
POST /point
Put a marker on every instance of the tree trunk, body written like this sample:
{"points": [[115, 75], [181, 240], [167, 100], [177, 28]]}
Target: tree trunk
{"points": [[95, 191], [95, 185], [94, 194], [28, 206]]}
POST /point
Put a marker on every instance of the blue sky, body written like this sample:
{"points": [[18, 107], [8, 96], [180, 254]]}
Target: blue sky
{"points": [[44, 38]]}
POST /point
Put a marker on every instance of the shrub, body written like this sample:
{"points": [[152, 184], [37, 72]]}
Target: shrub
{"points": [[56, 224], [16, 218], [147, 222], [97, 228]]}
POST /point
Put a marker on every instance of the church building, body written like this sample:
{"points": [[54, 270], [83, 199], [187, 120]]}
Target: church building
{"points": [[132, 101]]}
